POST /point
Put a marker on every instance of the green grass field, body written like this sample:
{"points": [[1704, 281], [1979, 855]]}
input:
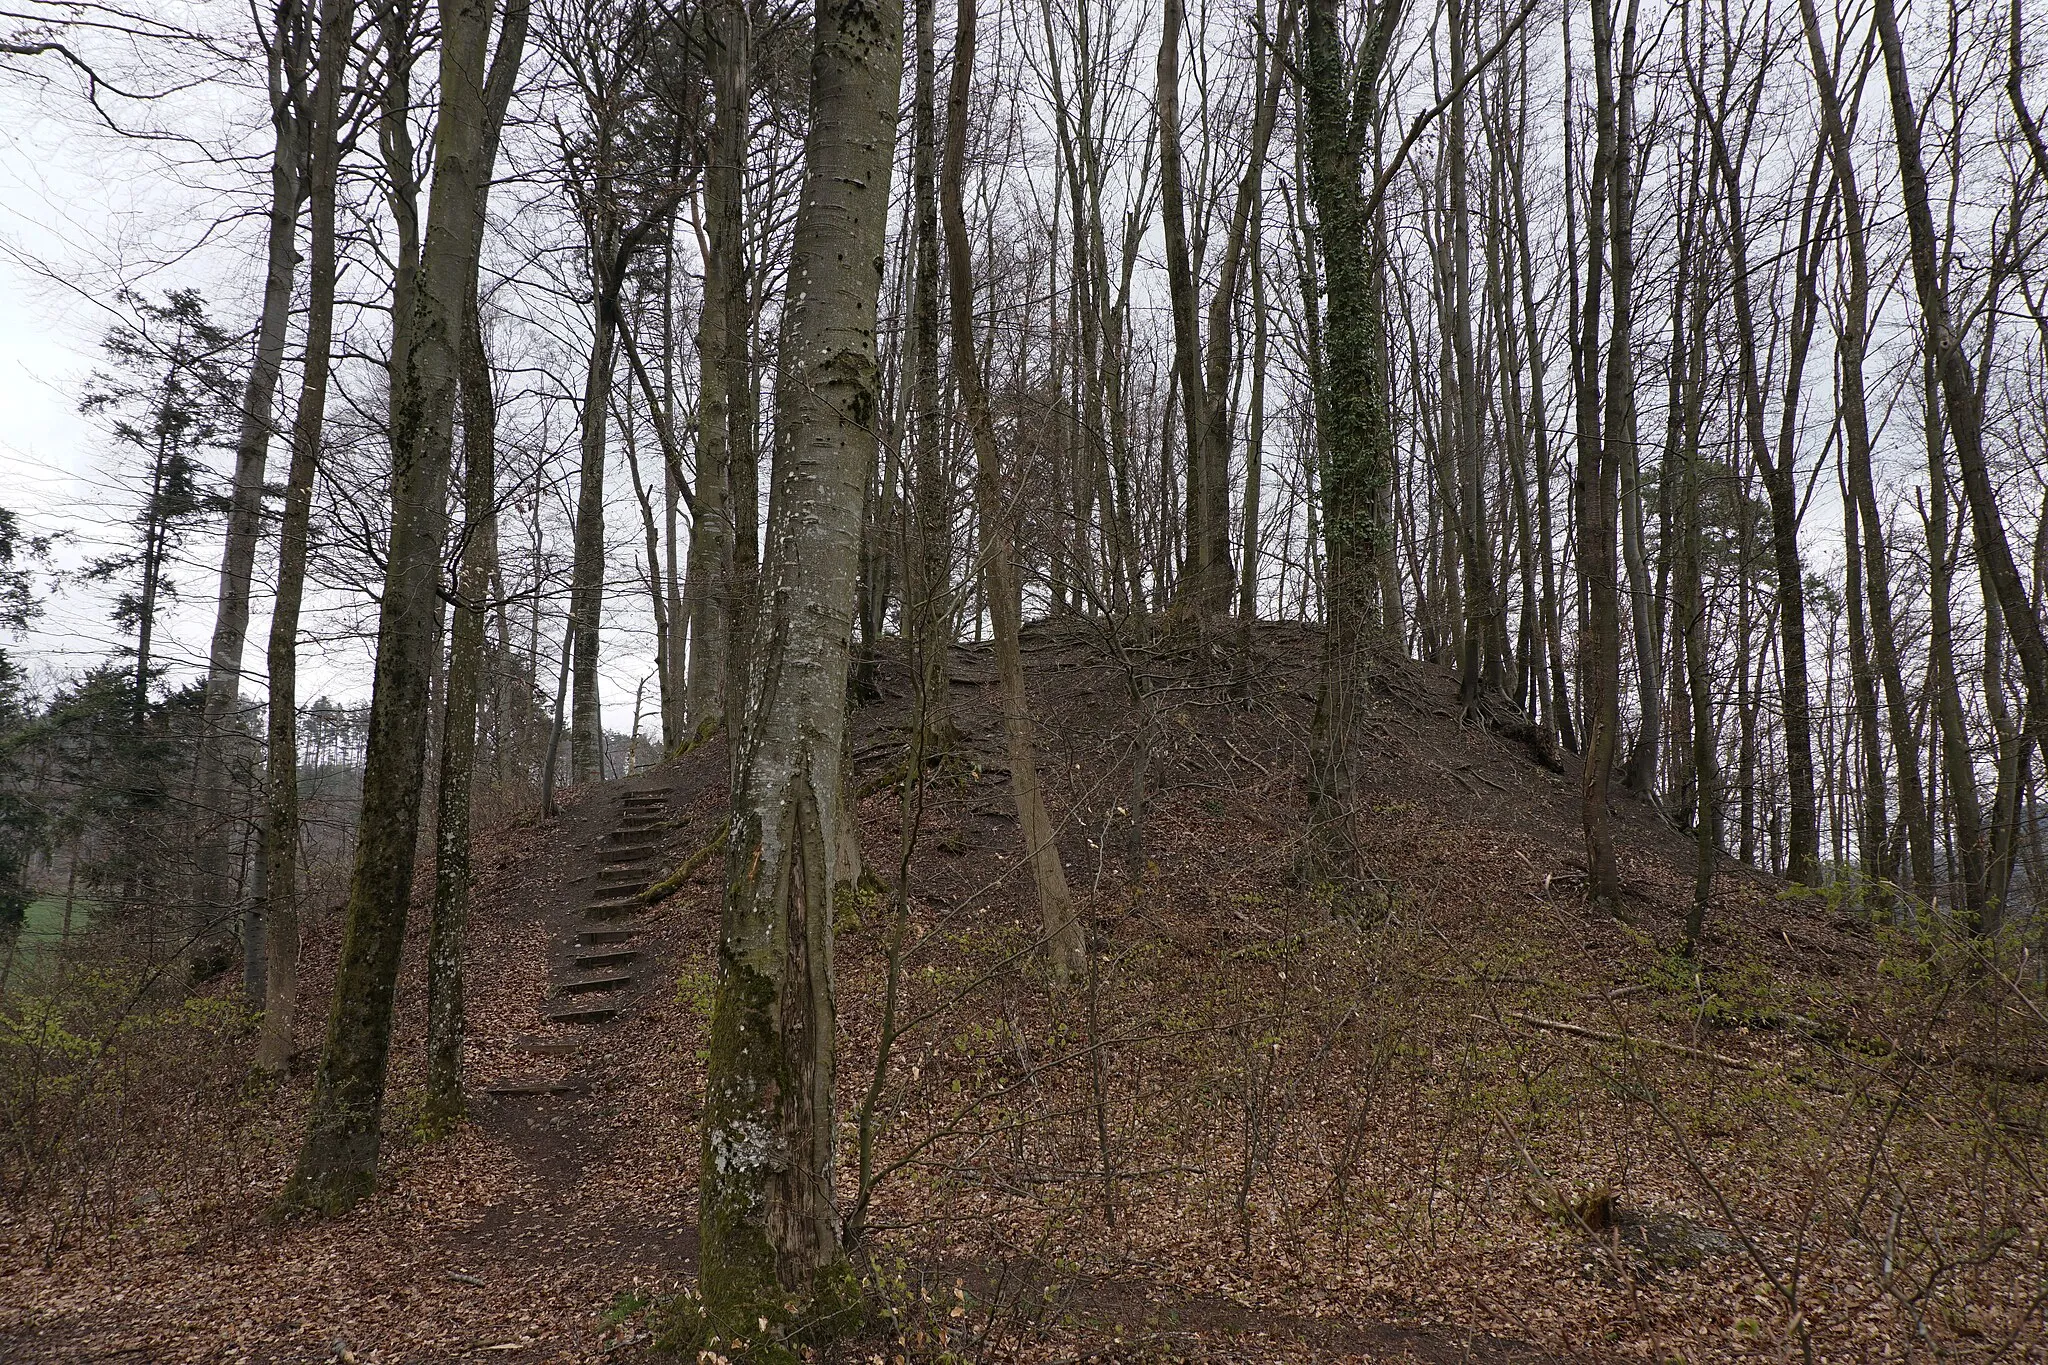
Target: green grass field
{"points": [[43, 925]]}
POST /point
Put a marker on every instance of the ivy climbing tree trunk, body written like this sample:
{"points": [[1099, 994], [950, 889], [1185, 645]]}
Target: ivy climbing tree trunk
{"points": [[770, 1237], [1356, 436]]}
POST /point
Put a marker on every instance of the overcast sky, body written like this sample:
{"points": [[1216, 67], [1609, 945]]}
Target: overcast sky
{"points": [[84, 212]]}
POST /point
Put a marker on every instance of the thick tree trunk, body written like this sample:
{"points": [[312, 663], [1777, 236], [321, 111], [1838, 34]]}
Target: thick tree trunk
{"points": [[1355, 437], [769, 1229], [449, 928], [337, 1164]]}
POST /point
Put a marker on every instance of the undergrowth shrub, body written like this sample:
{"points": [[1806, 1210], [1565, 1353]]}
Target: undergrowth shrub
{"points": [[120, 1093]]}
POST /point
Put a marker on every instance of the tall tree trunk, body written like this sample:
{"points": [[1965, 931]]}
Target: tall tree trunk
{"points": [[587, 569], [337, 1164], [1966, 817], [928, 613], [726, 281], [1691, 606], [1354, 429], [1203, 372], [1960, 394], [448, 930], [1603, 428], [1852, 342], [1479, 664], [280, 843], [1779, 470], [711, 528], [288, 116], [769, 1229], [1065, 950]]}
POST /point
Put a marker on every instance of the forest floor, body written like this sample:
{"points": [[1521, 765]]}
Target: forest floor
{"points": [[1465, 1118]]}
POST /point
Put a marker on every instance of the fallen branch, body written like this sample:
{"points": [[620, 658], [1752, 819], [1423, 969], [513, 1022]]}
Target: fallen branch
{"points": [[879, 783], [673, 882], [1625, 1040]]}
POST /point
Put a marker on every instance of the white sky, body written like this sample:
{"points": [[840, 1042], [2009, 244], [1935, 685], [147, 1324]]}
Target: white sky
{"points": [[82, 213]]}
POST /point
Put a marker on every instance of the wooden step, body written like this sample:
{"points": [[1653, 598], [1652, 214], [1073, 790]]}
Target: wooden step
{"points": [[635, 834], [612, 909], [627, 855], [522, 1089], [592, 938], [590, 985], [589, 1012], [591, 962]]}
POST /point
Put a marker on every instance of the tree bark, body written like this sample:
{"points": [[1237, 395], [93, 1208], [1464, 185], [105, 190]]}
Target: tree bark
{"points": [[1960, 395], [337, 1164], [448, 930], [280, 842], [1354, 430], [1065, 949], [767, 1220], [928, 588], [288, 116]]}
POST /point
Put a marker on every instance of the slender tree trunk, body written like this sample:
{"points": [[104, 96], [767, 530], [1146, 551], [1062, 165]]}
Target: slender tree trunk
{"points": [[1691, 608], [280, 843], [1779, 472], [1960, 395], [1966, 816], [711, 528], [587, 570], [1604, 428], [338, 1162], [929, 531], [726, 281], [288, 62], [1065, 950], [448, 930]]}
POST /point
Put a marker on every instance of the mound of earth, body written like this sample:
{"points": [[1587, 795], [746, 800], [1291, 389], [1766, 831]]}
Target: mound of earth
{"points": [[1465, 1118]]}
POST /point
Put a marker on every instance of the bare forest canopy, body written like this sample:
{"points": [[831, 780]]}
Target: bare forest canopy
{"points": [[614, 376]]}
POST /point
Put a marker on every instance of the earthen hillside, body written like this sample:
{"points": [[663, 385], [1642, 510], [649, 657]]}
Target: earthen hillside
{"points": [[1452, 1115]]}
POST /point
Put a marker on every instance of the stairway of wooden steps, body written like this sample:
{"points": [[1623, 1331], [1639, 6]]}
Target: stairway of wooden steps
{"points": [[594, 985]]}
